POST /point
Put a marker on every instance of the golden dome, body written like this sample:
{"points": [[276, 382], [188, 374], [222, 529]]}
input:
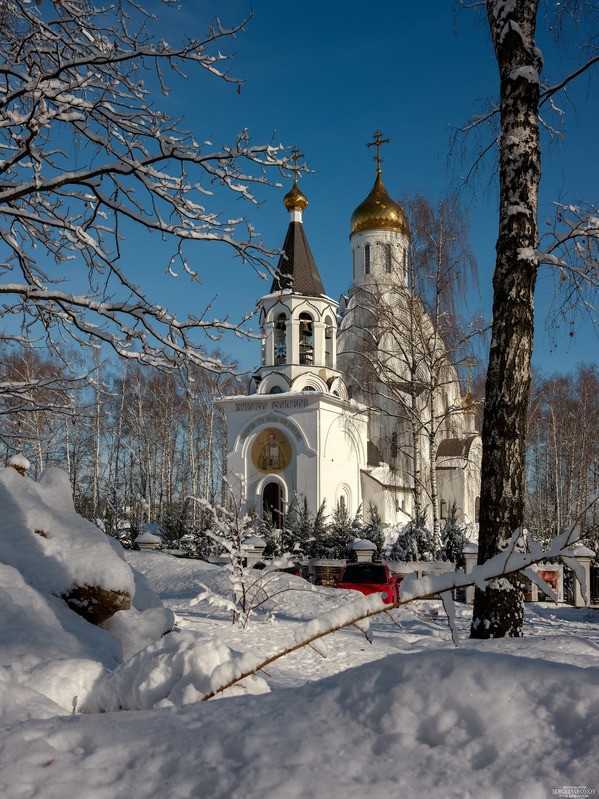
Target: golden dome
{"points": [[379, 210], [295, 198]]}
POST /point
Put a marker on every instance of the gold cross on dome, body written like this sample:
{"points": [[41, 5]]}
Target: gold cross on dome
{"points": [[295, 154], [378, 140]]}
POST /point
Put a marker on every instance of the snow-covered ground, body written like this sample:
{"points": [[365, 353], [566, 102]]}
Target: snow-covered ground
{"points": [[407, 715]]}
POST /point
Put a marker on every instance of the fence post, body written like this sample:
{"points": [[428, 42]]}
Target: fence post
{"points": [[584, 556], [364, 550], [470, 552]]}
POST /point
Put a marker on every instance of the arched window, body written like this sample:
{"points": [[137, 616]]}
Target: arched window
{"points": [[367, 259], [344, 499], [388, 258], [306, 340], [443, 509], [394, 445], [276, 390], [280, 339], [272, 504]]}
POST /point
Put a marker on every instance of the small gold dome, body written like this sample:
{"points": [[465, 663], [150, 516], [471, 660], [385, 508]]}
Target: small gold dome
{"points": [[379, 210], [469, 402], [295, 198]]}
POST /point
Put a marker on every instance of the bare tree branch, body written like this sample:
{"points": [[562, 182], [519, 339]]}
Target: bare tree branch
{"points": [[73, 80]]}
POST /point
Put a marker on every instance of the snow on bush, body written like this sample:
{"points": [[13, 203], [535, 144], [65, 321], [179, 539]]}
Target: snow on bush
{"points": [[49, 543], [177, 670]]}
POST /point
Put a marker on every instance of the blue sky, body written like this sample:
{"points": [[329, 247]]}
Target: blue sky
{"points": [[324, 77]]}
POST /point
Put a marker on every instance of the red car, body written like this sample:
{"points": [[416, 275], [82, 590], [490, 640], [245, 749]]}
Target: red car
{"points": [[370, 578]]}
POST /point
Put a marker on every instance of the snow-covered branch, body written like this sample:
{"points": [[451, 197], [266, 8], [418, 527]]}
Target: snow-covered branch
{"points": [[509, 561], [76, 77], [570, 248]]}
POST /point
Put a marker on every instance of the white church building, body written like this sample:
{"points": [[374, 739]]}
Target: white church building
{"points": [[323, 419]]}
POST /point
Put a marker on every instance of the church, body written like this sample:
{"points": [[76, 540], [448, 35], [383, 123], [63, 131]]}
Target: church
{"points": [[354, 403]]}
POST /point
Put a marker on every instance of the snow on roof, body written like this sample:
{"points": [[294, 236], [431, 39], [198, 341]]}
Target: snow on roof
{"points": [[148, 538], [254, 541], [580, 551], [384, 475], [362, 545]]}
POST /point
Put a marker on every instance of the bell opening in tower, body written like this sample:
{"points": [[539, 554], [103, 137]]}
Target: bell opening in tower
{"points": [[280, 339], [306, 342]]}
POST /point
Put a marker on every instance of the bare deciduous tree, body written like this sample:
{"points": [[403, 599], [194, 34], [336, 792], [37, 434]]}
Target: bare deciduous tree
{"points": [[402, 340], [563, 453], [86, 152]]}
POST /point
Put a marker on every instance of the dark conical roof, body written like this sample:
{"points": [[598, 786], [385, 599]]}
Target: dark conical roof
{"points": [[296, 268]]}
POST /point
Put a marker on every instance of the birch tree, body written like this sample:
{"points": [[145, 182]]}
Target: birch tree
{"points": [[519, 60], [563, 453], [87, 153], [38, 401], [444, 271]]}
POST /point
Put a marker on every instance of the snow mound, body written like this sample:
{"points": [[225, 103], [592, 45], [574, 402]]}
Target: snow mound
{"points": [[178, 580], [48, 652], [51, 657], [446, 725], [143, 623], [177, 670]]}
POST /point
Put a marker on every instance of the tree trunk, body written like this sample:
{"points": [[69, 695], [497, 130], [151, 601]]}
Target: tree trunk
{"points": [[433, 450], [498, 612]]}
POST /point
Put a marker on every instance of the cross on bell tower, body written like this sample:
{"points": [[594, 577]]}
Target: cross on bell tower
{"points": [[295, 155]]}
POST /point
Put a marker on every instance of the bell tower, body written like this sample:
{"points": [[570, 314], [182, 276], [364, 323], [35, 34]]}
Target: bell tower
{"points": [[296, 435], [298, 321]]}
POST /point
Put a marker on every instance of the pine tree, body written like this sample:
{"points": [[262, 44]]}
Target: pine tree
{"points": [[415, 542], [304, 533], [196, 541], [372, 531], [174, 523], [340, 532], [266, 529], [452, 539]]}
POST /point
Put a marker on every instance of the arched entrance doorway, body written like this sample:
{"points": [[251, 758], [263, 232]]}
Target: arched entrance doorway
{"points": [[272, 503]]}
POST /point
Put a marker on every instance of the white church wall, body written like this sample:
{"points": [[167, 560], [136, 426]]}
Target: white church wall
{"points": [[343, 448], [311, 444], [459, 481], [451, 490], [376, 267]]}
